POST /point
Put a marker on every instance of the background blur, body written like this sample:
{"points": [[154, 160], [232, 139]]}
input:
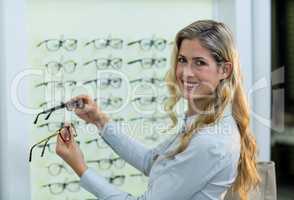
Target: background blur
{"points": [[132, 69], [282, 139]]}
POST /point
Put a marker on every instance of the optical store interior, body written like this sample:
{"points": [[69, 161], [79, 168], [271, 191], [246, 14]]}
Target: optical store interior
{"points": [[118, 53]]}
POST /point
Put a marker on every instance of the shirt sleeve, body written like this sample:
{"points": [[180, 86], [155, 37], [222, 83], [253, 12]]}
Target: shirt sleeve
{"points": [[180, 178], [129, 149]]}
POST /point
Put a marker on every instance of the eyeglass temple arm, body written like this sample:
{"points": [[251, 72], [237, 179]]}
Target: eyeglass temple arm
{"points": [[90, 81], [134, 61], [87, 43], [51, 110], [136, 80], [43, 150], [46, 139], [37, 117], [89, 62], [39, 44], [134, 42]]}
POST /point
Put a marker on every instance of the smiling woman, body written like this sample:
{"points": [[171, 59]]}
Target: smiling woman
{"points": [[206, 71], [214, 150], [197, 72]]}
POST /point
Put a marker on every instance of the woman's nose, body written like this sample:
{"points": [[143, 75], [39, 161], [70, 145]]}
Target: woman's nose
{"points": [[188, 70]]}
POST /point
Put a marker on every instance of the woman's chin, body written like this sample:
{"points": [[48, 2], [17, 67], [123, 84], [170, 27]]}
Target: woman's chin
{"points": [[189, 95]]}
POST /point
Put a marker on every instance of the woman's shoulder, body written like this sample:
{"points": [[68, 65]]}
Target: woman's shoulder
{"points": [[224, 127], [221, 138]]}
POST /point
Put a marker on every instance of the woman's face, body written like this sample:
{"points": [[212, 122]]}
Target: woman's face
{"points": [[197, 72]]}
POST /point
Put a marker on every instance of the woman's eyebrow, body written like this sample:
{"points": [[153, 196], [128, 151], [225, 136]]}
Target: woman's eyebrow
{"points": [[194, 58], [199, 58]]}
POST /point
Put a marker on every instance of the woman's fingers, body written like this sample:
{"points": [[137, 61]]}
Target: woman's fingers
{"points": [[83, 110], [90, 112], [72, 132], [60, 146], [86, 99], [67, 133], [88, 104], [59, 142]]}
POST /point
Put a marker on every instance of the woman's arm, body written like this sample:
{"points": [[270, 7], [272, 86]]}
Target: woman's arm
{"points": [[179, 178], [126, 147], [129, 149]]}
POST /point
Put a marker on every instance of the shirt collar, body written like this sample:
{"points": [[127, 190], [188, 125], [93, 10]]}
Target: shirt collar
{"points": [[189, 119]]}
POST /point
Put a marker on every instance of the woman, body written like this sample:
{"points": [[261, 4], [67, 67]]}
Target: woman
{"points": [[215, 149]]}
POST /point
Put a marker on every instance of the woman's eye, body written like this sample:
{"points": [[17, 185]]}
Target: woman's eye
{"points": [[181, 60], [199, 63]]}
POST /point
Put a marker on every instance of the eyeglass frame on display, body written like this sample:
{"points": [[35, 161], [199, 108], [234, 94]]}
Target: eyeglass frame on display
{"points": [[109, 62], [152, 61], [107, 42], [61, 43]]}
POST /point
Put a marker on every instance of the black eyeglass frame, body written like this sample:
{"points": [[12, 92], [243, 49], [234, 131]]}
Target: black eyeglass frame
{"points": [[68, 105]]}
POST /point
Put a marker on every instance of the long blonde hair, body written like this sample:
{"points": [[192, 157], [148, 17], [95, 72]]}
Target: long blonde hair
{"points": [[218, 39]]}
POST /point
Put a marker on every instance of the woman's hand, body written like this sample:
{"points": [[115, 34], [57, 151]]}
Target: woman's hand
{"points": [[91, 113], [69, 150]]}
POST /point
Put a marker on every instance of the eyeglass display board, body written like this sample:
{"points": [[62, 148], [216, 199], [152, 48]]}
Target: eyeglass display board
{"points": [[115, 52]]}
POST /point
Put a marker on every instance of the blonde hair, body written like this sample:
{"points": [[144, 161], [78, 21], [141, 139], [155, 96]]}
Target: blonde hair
{"points": [[218, 39]]}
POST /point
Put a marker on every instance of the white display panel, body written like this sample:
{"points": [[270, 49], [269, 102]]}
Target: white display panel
{"points": [[86, 21]]}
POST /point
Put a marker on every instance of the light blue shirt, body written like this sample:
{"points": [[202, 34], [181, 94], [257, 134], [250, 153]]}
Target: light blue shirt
{"points": [[203, 171]]}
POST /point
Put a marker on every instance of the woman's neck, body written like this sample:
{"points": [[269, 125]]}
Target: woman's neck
{"points": [[195, 107]]}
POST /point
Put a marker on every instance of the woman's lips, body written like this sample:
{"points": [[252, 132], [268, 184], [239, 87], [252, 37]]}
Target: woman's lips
{"points": [[190, 85]]}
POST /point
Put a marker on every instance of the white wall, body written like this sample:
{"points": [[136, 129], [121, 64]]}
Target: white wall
{"points": [[250, 21], [2, 105], [261, 21], [14, 142]]}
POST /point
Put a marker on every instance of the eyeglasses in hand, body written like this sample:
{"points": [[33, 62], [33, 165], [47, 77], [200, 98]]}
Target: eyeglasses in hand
{"points": [[69, 106], [51, 126], [46, 140], [51, 146]]}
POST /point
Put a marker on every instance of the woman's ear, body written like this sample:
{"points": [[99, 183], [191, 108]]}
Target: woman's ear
{"points": [[225, 70]]}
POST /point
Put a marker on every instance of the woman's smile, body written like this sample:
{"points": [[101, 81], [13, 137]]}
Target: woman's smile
{"points": [[190, 86]]}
